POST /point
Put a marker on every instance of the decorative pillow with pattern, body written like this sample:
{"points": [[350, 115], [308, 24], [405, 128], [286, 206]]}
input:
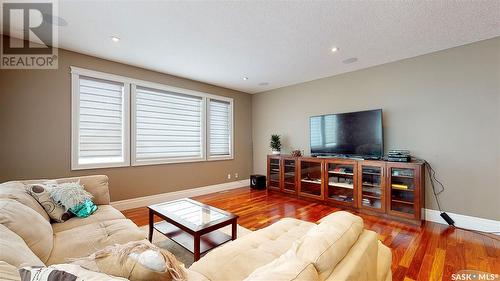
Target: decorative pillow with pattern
{"points": [[41, 273], [41, 193]]}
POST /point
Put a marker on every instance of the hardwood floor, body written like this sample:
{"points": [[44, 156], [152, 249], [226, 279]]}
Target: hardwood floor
{"points": [[431, 252]]}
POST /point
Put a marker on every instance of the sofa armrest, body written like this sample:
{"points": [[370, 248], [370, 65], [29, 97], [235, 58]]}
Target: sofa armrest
{"points": [[97, 185]]}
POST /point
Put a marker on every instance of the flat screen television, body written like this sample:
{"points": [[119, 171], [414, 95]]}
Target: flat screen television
{"points": [[353, 134]]}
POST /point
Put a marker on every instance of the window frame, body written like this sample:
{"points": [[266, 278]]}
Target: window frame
{"points": [[75, 118], [231, 128], [129, 126]]}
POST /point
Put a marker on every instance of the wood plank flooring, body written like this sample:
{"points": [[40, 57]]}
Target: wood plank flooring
{"points": [[431, 252]]}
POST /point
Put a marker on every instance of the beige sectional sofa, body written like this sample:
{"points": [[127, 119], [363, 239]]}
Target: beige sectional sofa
{"points": [[338, 248]]}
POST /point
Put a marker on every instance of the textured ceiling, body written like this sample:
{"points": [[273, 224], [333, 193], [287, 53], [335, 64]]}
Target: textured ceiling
{"points": [[275, 42]]}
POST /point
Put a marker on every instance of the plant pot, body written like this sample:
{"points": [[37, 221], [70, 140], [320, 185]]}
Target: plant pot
{"points": [[276, 152]]}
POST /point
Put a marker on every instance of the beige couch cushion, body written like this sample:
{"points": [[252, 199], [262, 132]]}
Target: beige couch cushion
{"points": [[97, 185], [242, 256], [326, 244], [29, 225], [360, 263], [17, 191], [14, 250], [103, 213], [86, 239], [8, 272], [384, 261], [288, 267]]}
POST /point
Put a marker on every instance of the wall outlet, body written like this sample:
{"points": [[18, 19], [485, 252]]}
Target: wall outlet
{"points": [[228, 176], [235, 175]]}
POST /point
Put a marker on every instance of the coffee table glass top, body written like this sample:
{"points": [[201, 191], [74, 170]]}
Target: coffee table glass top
{"points": [[191, 212]]}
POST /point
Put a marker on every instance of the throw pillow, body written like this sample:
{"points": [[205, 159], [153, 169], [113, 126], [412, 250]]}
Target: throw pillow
{"points": [[41, 193], [135, 261], [74, 198], [40, 273]]}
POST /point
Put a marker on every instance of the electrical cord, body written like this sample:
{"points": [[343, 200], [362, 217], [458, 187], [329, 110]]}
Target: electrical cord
{"points": [[432, 177]]}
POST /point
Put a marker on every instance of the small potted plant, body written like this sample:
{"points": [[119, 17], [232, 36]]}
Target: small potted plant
{"points": [[276, 144]]}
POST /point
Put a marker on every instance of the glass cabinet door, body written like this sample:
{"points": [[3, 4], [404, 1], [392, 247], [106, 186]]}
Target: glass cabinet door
{"points": [[289, 175], [274, 173], [372, 187], [402, 190], [310, 178], [341, 182]]}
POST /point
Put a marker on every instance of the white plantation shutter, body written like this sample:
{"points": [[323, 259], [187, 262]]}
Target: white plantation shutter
{"points": [[219, 128], [169, 126], [100, 123]]}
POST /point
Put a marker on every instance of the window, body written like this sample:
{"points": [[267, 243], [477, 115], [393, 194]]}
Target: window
{"points": [[100, 123], [120, 121], [168, 126], [220, 125]]}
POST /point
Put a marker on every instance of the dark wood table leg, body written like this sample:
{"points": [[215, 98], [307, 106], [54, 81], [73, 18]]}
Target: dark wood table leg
{"points": [[234, 233], [196, 253], [151, 224]]}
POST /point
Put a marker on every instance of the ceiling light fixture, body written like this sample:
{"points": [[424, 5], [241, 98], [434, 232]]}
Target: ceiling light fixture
{"points": [[245, 78], [115, 39], [335, 49]]}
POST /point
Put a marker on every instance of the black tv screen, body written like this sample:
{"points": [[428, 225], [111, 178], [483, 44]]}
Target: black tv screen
{"points": [[347, 134]]}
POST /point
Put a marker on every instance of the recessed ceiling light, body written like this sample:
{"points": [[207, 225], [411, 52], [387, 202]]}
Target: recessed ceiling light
{"points": [[245, 78], [115, 39], [335, 49]]}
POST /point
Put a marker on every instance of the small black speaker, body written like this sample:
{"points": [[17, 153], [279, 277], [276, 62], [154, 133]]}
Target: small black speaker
{"points": [[258, 182]]}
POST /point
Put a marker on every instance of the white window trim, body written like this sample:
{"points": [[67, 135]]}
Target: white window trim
{"points": [[130, 85], [75, 119], [231, 128]]}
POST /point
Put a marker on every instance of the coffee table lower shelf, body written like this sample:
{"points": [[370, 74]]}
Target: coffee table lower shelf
{"points": [[207, 241]]}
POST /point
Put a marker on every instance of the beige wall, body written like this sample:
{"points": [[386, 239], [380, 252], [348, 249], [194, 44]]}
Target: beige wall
{"points": [[35, 131], [444, 107]]}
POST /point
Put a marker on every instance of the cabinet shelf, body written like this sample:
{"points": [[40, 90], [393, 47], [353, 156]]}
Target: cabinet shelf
{"points": [[371, 174], [403, 177], [341, 184], [371, 196], [311, 181], [371, 185], [402, 202], [341, 173]]}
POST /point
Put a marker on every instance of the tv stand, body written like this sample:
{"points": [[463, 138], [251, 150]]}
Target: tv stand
{"points": [[390, 189]]}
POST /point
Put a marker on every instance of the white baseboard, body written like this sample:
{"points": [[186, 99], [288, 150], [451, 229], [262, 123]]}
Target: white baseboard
{"points": [[464, 221], [169, 196]]}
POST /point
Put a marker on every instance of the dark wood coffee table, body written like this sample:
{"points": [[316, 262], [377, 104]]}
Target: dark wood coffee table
{"points": [[192, 224]]}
